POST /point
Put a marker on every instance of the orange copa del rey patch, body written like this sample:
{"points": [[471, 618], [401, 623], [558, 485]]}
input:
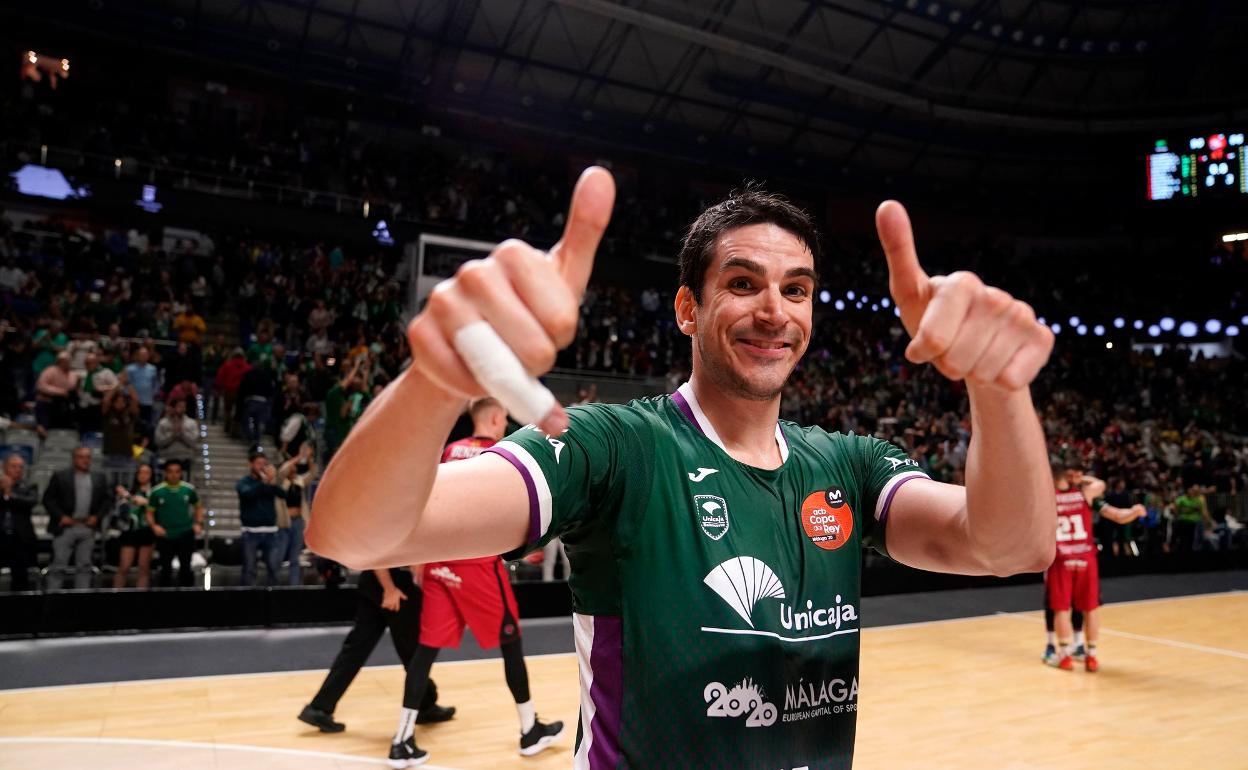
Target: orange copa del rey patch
{"points": [[827, 518]]}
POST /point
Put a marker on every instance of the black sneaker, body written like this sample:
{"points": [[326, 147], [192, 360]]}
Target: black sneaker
{"points": [[539, 737], [407, 754], [321, 720], [435, 713]]}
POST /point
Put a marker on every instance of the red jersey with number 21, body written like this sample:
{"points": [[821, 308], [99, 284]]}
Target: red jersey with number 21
{"points": [[1074, 525]]}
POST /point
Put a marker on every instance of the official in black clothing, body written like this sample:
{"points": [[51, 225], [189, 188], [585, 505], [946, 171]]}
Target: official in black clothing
{"points": [[17, 533], [384, 599]]}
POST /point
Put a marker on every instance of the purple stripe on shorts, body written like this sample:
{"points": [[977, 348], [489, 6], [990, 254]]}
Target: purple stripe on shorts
{"points": [[535, 512], [606, 660], [683, 405], [888, 501]]}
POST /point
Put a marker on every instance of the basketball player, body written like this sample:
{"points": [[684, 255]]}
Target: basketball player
{"points": [[716, 552], [1074, 577], [477, 593], [1079, 654]]}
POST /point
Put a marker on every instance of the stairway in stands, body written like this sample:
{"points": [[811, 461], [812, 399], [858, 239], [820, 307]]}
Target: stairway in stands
{"points": [[227, 458]]}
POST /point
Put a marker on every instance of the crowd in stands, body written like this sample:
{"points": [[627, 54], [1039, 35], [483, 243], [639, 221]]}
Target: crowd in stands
{"points": [[105, 331], [103, 334]]}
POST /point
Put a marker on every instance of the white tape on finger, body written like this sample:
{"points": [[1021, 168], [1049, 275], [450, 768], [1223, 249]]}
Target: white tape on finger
{"points": [[499, 371]]}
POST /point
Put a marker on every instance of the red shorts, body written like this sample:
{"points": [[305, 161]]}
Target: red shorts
{"points": [[1073, 581], [473, 592]]}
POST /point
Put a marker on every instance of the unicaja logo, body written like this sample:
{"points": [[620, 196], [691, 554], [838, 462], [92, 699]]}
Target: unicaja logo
{"points": [[742, 582]]}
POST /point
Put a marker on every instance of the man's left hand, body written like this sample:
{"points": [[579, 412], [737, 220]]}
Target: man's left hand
{"points": [[966, 329]]}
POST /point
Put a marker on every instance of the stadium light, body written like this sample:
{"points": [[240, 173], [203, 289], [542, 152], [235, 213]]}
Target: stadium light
{"points": [[1166, 324], [1243, 321], [1119, 322], [1232, 237], [1154, 331], [1109, 346], [1188, 329], [1138, 325], [1041, 321], [1056, 327], [886, 302], [840, 304], [849, 294], [1074, 321], [825, 296], [1098, 330], [1081, 330], [1213, 326], [897, 312], [1232, 331]]}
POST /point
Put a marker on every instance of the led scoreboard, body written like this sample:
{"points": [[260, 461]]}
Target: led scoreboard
{"points": [[1199, 167]]}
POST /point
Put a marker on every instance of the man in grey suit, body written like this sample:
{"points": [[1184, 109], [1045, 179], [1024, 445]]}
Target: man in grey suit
{"points": [[77, 500]]}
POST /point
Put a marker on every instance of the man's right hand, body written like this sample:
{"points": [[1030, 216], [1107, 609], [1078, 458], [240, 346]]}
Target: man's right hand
{"points": [[159, 530], [530, 298], [391, 597]]}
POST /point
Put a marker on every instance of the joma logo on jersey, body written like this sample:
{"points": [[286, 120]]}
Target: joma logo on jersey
{"points": [[712, 513], [897, 463]]}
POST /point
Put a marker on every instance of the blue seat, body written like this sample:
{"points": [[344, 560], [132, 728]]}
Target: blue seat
{"points": [[26, 451]]}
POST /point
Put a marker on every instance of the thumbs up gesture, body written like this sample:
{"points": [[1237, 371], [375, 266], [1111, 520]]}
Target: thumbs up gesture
{"points": [[498, 324], [966, 329]]}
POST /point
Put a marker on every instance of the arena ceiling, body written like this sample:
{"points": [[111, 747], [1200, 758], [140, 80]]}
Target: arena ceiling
{"points": [[951, 88]]}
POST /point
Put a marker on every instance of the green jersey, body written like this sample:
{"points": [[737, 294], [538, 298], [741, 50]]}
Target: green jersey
{"points": [[174, 507], [717, 608], [1188, 509]]}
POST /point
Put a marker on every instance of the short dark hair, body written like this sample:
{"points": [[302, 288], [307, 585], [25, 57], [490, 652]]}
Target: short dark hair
{"points": [[750, 205], [172, 461]]}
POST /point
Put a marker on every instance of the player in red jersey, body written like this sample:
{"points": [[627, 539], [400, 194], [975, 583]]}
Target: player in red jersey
{"points": [[1074, 578], [477, 593]]}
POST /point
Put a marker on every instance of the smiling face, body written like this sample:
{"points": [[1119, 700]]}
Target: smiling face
{"points": [[753, 322]]}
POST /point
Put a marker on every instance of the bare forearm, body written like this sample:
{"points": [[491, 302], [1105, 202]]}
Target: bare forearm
{"points": [[1009, 491], [376, 487], [383, 577]]}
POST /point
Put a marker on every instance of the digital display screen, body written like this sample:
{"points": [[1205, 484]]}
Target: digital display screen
{"points": [[1212, 166], [45, 182]]}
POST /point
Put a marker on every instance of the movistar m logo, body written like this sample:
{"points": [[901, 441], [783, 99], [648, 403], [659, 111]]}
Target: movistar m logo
{"points": [[701, 474]]}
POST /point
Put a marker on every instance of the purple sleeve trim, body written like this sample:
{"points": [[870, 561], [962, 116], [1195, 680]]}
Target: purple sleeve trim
{"points": [[535, 516], [888, 501]]}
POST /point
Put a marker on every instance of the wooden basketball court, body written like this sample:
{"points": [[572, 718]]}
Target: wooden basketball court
{"points": [[960, 694]]}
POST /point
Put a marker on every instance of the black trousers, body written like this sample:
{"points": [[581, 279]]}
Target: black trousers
{"points": [[182, 547], [19, 556], [371, 621]]}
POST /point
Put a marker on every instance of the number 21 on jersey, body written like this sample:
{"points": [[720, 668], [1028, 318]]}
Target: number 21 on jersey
{"points": [[1070, 528]]}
